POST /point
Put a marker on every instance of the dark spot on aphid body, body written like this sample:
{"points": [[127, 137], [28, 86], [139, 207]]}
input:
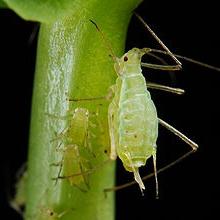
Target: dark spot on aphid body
{"points": [[135, 136], [125, 58], [51, 214], [105, 151]]}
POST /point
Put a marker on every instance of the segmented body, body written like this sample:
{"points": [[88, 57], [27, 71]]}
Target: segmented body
{"points": [[75, 148], [133, 121]]}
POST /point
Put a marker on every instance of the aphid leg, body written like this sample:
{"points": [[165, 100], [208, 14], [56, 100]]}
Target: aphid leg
{"points": [[111, 92], [86, 99], [160, 59], [87, 172], [59, 172], [164, 66], [106, 97], [61, 135], [84, 176], [179, 134], [113, 153], [161, 67], [111, 110], [56, 164], [159, 41], [155, 174], [151, 85], [88, 144], [177, 91], [65, 117], [60, 165], [76, 158], [199, 63], [173, 55], [123, 186], [80, 161]]}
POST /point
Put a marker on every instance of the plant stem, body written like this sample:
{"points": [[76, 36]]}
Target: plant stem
{"points": [[72, 61]]}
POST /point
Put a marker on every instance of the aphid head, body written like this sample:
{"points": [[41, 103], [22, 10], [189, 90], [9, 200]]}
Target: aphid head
{"points": [[130, 61]]}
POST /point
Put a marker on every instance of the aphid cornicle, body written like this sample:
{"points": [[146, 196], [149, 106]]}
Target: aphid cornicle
{"points": [[133, 121]]}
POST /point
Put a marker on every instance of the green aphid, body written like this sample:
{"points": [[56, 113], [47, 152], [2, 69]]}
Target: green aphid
{"points": [[132, 116], [133, 121], [75, 148], [48, 214]]}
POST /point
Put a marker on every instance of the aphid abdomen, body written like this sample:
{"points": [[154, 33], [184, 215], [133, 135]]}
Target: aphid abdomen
{"points": [[78, 127], [137, 123]]}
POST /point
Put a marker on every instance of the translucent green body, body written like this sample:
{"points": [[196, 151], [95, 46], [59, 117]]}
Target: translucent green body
{"points": [[75, 148], [78, 127], [133, 118]]}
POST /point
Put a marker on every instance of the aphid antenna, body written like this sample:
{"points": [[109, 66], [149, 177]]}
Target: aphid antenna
{"points": [[168, 52], [88, 172], [105, 40], [199, 63], [158, 40]]}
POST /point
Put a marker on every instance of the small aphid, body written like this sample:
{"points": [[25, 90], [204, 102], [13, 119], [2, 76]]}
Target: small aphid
{"points": [[50, 214], [19, 201], [75, 148], [46, 213]]}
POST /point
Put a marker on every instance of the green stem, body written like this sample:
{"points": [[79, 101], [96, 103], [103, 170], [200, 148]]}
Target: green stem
{"points": [[72, 59]]}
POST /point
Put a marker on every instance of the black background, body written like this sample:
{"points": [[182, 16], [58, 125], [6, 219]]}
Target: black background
{"points": [[190, 190]]}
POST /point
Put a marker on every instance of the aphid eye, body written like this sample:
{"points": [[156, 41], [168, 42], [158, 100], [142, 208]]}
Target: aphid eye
{"points": [[125, 58]]}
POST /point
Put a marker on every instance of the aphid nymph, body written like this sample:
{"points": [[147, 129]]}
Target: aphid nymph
{"points": [[75, 148]]}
